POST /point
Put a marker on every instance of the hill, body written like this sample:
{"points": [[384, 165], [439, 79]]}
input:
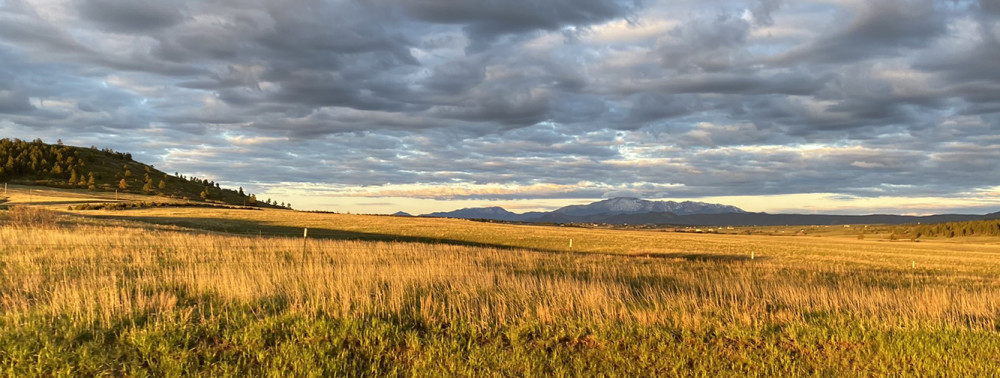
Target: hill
{"points": [[62, 166]]}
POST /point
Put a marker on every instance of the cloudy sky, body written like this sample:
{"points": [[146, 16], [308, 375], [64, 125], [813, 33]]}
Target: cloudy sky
{"points": [[838, 106]]}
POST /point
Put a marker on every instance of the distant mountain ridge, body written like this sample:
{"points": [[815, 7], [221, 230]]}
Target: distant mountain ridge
{"points": [[630, 205], [626, 210], [493, 213], [600, 211]]}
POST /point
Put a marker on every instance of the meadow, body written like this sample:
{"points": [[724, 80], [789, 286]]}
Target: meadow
{"points": [[179, 291]]}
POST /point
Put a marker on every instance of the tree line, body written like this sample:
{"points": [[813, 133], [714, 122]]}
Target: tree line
{"points": [[36, 159], [990, 227]]}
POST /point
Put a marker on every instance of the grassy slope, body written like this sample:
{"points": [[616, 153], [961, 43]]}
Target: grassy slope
{"points": [[468, 298]]}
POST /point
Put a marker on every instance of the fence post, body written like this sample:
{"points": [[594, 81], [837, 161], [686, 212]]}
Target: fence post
{"points": [[305, 235]]}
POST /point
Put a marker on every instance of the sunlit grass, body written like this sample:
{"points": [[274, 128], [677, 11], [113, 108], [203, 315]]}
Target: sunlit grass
{"points": [[59, 198], [89, 297]]}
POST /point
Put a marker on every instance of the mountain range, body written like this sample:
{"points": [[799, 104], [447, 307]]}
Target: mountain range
{"points": [[626, 210], [621, 209]]}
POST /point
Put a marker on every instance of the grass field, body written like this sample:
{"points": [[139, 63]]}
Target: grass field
{"points": [[178, 291]]}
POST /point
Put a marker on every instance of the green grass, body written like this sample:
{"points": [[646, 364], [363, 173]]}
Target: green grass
{"points": [[245, 342]]}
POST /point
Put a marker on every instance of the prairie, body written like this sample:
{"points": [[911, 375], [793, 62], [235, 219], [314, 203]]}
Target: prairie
{"points": [[224, 292]]}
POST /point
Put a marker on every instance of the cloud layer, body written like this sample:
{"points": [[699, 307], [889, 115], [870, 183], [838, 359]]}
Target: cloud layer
{"points": [[521, 99]]}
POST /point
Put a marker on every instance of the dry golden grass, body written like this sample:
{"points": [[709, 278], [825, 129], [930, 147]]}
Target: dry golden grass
{"points": [[58, 198], [171, 291], [104, 274]]}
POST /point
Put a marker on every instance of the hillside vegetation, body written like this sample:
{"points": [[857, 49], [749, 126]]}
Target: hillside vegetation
{"points": [[955, 229], [61, 166], [172, 291]]}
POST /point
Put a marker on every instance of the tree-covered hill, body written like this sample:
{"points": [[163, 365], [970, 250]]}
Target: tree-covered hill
{"points": [[988, 227], [61, 166]]}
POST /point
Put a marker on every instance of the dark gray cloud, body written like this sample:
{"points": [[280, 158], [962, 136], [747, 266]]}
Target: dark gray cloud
{"points": [[866, 98], [485, 22], [14, 102], [878, 29], [762, 10], [131, 16]]}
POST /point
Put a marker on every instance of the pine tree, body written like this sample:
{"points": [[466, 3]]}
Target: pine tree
{"points": [[163, 184], [122, 184], [90, 181], [73, 178]]}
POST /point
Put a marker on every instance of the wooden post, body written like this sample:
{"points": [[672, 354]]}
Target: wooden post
{"points": [[305, 235]]}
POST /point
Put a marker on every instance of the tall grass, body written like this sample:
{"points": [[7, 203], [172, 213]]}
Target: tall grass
{"points": [[136, 284], [34, 217], [101, 274]]}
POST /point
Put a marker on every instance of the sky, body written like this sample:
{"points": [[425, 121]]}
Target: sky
{"points": [[377, 106]]}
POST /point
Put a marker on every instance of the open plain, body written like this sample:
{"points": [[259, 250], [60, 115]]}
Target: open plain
{"points": [[169, 291]]}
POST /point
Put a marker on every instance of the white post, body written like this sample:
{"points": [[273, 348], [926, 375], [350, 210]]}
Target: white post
{"points": [[571, 242], [305, 234], [751, 255]]}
